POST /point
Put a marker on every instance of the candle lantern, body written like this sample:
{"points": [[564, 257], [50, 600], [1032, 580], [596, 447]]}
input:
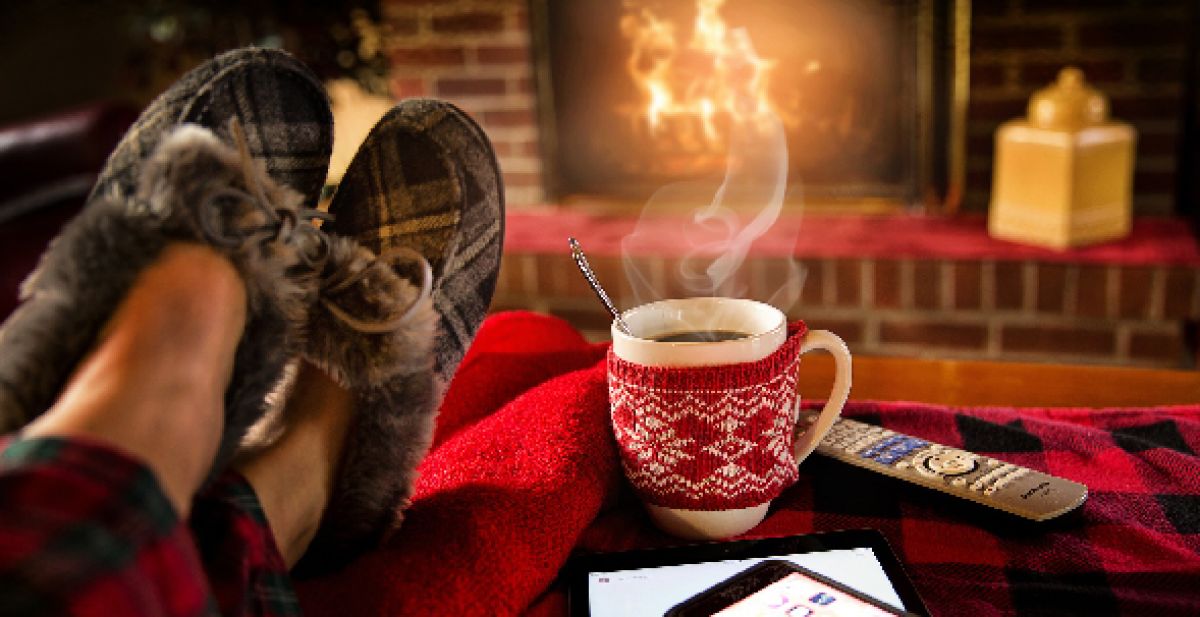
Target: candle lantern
{"points": [[1063, 176]]}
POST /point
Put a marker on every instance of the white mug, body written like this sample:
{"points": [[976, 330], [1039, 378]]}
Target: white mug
{"points": [[765, 331]]}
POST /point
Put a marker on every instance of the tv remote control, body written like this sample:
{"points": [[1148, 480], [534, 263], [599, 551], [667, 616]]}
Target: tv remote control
{"points": [[1018, 490]]}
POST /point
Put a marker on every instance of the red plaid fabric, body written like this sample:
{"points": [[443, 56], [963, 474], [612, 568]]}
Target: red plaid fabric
{"points": [[708, 437], [86, 530]]}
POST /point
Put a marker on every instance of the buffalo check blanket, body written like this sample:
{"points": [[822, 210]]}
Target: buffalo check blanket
{"points": [[524, 473]]}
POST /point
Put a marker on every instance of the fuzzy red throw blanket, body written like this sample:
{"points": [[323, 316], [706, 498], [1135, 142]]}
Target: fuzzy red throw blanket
{"points": [[524, 471]]}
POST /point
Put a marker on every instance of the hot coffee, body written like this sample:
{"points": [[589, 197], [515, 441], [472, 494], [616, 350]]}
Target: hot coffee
{"points": [[700, 336]]}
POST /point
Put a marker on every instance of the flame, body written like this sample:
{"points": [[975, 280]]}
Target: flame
{"points": [[693, 91]]}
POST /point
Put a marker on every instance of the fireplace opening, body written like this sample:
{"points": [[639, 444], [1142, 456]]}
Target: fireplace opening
{"points": [[637, 95]]}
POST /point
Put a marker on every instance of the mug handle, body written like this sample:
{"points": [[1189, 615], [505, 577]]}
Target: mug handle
{"points": [[824, 339]]}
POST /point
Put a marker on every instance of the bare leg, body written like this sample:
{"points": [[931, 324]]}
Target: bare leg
{"points": [[294, 476], [154, 384]]}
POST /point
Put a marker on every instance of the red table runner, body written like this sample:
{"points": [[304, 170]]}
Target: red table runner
{"points": [[524, 472]]}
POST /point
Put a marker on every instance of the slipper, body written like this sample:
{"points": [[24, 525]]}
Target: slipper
{"points": [[283, 117], [424, 186]]}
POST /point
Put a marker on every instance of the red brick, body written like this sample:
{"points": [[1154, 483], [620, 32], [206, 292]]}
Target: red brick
{"points": [[1134, 297], [522, 179], [848, 279], [408, 87], [593, 319], [927, 284], [528, 148], [849, 330], [1010, 285], [507, 54], [1162, 347], [551, 277], [1180, 287], [887, 284], [1038, 74], [403, 26], [525, 85], [775, 275], [1051, 287], [470, 86], [813, 293], [933, 334], [509, 117], [503, 148], [1091, 298], [428, 56], [1015, 36], [1058, 340], [1135, 32], [968, 285], [472, 21]]}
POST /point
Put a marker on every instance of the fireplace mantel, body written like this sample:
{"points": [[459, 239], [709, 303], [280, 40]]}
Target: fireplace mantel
{"points": [[905, 285]]}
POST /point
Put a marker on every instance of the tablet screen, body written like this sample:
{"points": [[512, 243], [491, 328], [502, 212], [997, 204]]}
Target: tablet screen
{"points": [[649, 582], [651, 591]]}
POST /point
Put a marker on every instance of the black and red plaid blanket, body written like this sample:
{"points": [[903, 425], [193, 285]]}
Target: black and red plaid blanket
{"points": [[524, 473]]}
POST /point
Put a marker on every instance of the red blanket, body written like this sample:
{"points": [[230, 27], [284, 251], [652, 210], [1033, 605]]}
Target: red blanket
{"points": [[524, 471]]}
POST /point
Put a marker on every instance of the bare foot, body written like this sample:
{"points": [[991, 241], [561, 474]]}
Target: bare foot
{"points": [[293, 477], [154, 383]]}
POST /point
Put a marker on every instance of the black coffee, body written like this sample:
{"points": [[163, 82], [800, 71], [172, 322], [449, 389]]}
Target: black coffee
{"points": [[700, 336]]}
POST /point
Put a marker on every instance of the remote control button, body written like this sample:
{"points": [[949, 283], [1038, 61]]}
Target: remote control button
{"points": [[951, 463], [991, 476]]}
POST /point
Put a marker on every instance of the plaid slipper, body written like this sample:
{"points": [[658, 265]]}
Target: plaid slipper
{"points": [[424, 184], [286, 126], [426, 178]]}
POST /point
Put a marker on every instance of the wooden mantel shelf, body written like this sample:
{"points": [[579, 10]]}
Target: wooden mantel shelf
{"points": [[1002, 384]]}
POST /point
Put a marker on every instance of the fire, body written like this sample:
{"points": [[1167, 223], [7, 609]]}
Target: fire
{"points": [[692, 91]]}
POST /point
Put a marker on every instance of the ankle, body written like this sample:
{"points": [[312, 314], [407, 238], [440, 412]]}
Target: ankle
{"points": [[153, 385]]}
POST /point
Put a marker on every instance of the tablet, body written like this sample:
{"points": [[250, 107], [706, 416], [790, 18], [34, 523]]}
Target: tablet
{"points": [[651, 582]]}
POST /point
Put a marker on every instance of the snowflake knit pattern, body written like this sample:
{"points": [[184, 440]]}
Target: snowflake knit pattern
{"points": [[709, 437]]}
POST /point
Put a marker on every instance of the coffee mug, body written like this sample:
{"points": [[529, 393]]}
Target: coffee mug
{"points": [[705, 409]]}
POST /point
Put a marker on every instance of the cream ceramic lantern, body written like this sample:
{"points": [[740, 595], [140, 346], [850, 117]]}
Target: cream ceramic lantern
{"points": [[1063, 176]]}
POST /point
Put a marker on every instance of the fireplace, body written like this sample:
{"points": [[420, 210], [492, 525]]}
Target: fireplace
{"points": [[640, 94]]}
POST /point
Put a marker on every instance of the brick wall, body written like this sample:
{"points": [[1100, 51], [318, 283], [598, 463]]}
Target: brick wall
{"points": [[988, 309], [474, 53], [1132, 50]]}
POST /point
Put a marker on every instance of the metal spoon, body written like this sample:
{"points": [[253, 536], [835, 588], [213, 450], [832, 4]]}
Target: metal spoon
{"points": [[582, 262]]}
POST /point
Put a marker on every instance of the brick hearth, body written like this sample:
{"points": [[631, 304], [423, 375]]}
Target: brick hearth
{"points": [[476, 53]]}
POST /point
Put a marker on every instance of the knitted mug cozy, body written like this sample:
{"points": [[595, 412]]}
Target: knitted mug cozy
{"points": [[709, 437]]}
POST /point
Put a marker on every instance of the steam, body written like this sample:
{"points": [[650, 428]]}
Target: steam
{"points": [[728, 104]]}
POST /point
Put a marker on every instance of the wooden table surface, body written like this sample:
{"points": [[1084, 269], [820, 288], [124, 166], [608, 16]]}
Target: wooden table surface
{"points": [[980, 383]]}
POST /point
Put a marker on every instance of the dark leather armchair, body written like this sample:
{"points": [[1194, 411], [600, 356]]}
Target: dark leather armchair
{"points": [[47, 168]]}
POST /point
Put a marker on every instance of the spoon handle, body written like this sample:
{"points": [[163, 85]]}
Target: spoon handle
{"points": [[586, 269]]}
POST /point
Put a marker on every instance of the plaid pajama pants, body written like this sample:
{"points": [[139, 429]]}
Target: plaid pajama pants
{"points": [[86, 530]]}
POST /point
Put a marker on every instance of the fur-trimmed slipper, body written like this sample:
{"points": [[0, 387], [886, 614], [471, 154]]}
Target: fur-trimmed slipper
{"points": [[194, 188], [284, 115], [372, 331], [425, 182]]}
